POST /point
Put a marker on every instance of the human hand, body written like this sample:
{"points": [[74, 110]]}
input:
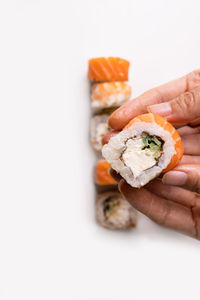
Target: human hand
{"points": [[172, 201]]}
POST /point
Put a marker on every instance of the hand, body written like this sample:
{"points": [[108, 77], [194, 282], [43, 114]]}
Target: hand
{"points": [[172, 201]]}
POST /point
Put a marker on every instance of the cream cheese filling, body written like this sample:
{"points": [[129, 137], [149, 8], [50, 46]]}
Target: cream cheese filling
{"points": [[137, 158]]}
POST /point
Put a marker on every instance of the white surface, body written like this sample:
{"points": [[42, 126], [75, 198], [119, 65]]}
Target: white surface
{"points": [[50, 246]]}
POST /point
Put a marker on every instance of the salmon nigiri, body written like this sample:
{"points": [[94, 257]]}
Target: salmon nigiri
{"points": [[108, 69], [147, 146], [101, 174], [109, 94]]}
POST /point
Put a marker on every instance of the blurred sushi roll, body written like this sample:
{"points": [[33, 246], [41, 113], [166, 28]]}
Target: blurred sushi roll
{"points": [[114, 212], [109, 94], [108, 69], [147, 146], [98, 128], [101, 174]]}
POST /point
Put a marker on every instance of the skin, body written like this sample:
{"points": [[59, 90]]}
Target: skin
{"points": [[171, 200]]}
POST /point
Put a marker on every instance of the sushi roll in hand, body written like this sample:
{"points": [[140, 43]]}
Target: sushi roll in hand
{"points": [[147, 146], [114, 212]]}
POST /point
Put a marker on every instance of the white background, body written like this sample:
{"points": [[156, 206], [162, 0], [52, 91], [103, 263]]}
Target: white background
{"points": [[50, 246]]}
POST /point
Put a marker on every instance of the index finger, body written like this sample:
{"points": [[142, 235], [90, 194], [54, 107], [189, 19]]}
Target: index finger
{"points": [[160, 210], [163, 93]]}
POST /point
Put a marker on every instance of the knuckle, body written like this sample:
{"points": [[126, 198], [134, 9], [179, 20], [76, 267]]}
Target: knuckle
{"points": [[183, 102], [189, 102], [189, 99], [196, 219], [195, 212], [195, 182], [195, 96], [196, 200], [193, 79]]}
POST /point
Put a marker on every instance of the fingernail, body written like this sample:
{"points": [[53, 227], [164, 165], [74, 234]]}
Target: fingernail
{"points": [[163, 109], [175, 178]]}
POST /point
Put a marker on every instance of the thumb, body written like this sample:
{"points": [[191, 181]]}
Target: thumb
{"points": [[182, 109]]}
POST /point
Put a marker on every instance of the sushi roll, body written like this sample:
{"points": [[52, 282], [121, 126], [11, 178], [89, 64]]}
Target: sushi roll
{"points": [[147, 146], [114, 212], [109, 94], [98, 128], [101, 174], [108, 69]]}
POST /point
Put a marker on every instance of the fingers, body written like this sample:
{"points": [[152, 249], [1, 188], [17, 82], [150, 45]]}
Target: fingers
{"points": [[185, 176], [163, 212], [185, 130], [163, 93], [191, 144], [108, 136], [174, 193], [182, 109], [190, 159]]}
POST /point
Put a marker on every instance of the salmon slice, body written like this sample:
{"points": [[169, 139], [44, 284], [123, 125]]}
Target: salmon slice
{"points": [[101, 173], [108, 69], [109, 94], [153, 118]]}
